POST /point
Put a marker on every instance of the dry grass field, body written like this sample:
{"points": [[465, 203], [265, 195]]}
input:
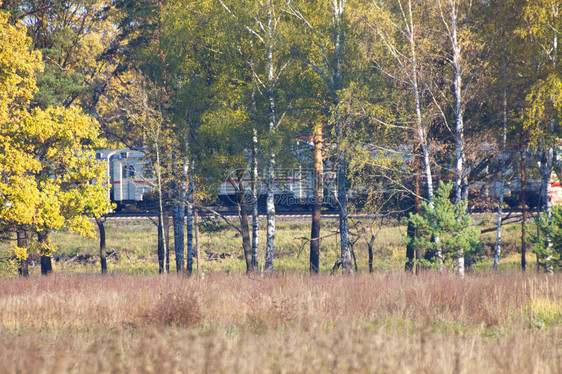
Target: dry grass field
{"points": [[385, 322]]}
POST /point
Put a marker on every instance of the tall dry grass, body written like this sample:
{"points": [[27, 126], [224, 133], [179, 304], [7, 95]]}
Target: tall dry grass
{"points": [[382, 322]]}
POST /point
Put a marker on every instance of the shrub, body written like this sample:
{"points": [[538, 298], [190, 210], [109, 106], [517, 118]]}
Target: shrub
{"points": [[174, 309]]}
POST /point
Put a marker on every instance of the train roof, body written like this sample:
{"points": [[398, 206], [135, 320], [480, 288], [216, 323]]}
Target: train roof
{"points": [[121, 153]]}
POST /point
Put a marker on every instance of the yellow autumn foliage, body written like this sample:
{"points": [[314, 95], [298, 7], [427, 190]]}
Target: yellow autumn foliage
{"points": [[47, 162]]}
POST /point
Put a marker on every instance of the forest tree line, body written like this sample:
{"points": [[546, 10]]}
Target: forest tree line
{"points": [[394, 94]]}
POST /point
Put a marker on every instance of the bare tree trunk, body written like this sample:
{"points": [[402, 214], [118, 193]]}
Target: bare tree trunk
{"points": [[317, 202], [189, 224], [46, 264], [167, 239], [410, 251], [179, 218], [411, 232], [243, 210], [333, 79], [338, 7], [22, 243], [103, 253], [270, 245], [502, 179], [162, 249], [421, 127], [161, 244], [523, 211], [255, 193], [197, 243], [499, 222], [341, 178], [370, 246], [451, 23], [246, 237], [270, 205], [546, 173], [240, 194], [459, 132]]}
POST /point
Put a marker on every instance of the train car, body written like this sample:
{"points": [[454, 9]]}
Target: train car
{"points": [[128, 173], [293, 188], [555, 191]]}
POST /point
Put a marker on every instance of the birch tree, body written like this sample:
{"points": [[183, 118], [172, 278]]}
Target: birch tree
{"points": [[262, 27], [211, 103], [401, 50], [455, 16], [449, 11], [394, 25], [192, 40], [324, 27], [503, 18]]}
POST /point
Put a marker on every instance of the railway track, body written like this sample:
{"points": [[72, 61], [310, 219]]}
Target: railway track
{"points": [[509, 217], [228, 215]]}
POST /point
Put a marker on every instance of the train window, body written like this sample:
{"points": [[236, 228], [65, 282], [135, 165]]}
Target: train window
{"points": [[148, 173], [128, 171]]}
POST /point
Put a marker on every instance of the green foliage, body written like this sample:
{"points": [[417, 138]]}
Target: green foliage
{"points": [[71, 36], [212, 226], [445, 226], [375, 168], [544, 105], [550, 228], [8, 264]]}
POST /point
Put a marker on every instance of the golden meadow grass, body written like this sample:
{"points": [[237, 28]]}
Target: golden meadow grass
{"points": [[387, 321], [382, 322]]}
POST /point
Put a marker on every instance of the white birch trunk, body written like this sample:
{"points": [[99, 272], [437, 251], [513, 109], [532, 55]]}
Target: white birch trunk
{"points": [[255, 192], [502, 179], [338, 7], [270, 205], [422, 131], [459, 125]]}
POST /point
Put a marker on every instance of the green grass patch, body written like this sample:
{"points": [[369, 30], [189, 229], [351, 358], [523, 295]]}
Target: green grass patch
{"points": [[132, 248]]}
